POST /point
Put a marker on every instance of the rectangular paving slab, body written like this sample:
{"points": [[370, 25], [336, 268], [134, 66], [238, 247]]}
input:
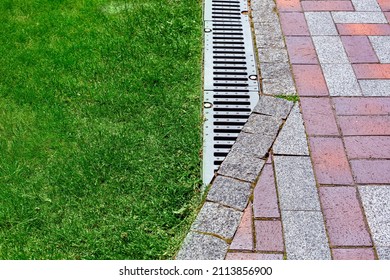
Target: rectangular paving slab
{"points": [[296, 184], [305, 237]]}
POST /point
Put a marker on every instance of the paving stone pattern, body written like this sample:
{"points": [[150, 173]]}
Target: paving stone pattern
{"points": [[318, 173]]}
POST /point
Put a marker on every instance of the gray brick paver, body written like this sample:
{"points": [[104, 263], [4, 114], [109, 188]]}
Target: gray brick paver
{"points": [[320, 23]]}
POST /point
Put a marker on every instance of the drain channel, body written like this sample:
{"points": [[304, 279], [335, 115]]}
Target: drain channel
{"points": [[231, 88]]}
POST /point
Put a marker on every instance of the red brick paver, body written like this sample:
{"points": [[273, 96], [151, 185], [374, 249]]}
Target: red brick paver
{"points": [[288, 5], [365, 125], [365, 147], [301, 50], [269, 236], [265, 201], [371, 171], [372, 71], [359, 49], [294, 24], [318, 116], [353, 254], [329, 161], [343, 217], [384, 4], [316, 6], [362, 106], [243, 239], [365, 29], [309, 80]]}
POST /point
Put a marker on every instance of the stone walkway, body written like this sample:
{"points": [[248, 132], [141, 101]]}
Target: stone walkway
{"points": [[319, 187]]}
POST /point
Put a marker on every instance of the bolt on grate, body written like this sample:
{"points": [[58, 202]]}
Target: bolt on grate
{"points": [[231, 89]]}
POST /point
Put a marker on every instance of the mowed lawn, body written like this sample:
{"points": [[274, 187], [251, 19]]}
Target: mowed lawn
{"points": [[100, 127]]}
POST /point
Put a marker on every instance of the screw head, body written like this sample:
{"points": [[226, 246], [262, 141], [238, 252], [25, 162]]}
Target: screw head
{"points": [[207, 30], [253, 77], [207, 105]]}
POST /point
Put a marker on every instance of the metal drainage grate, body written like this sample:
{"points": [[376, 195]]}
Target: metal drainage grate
{"points": [[231, 89]]}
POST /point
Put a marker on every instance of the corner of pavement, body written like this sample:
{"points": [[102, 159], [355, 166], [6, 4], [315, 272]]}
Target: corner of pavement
{"points": [[311, 179]]}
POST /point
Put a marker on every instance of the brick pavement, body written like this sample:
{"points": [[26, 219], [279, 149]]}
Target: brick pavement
{"points": [[309, 180], [334, 201]]}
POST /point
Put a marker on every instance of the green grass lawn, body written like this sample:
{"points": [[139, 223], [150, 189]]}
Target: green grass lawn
{"points": [[100, 127]]}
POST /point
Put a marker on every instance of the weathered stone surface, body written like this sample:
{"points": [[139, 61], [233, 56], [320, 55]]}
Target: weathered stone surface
{"points": [[273, 106], [292, 138], [320, 23], [240, 166], [305, 237], [341, 80], [230, 192], [198, 246], [279, 87], [330, 49], [217, 219], [262, 124], [383, 253], [255, 145], [296, 183], [366, 5], [359, 17], [375, 87], [272, 55], [376, 205]]}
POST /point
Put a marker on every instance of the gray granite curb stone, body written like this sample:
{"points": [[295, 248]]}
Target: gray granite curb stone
{"points": [[229, 193], [198, 246]]}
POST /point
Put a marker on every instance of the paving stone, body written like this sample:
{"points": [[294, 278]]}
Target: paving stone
{"points": [[318, 116], [230, 192], [277, 86], [272, 106], [309, 80], [294, 24], [359, 49], [288, 5], [262, 124], [305, 237], [387, 15], [273, 55], [292, 138], [330, 49], [372, 71], [376, 205], [365, 147], [269, 236], [366, 5], [265, 201], [362, 106], [383, 253], [217, 219], [356, 29], [353, 254], [253, 256], [265, 15], [296, 183], [272, 70], [320, 23], [384, 4], [371, 171], [243, 239], [265, 28], [254, 145], [259, 5], [301, 50], [381, 45], [329, 161], [375, 87], [240, 166], [343, 217], [202, 247], [341, 80], [315, 6], [270, 41], [364, 125], [359, 17]]}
